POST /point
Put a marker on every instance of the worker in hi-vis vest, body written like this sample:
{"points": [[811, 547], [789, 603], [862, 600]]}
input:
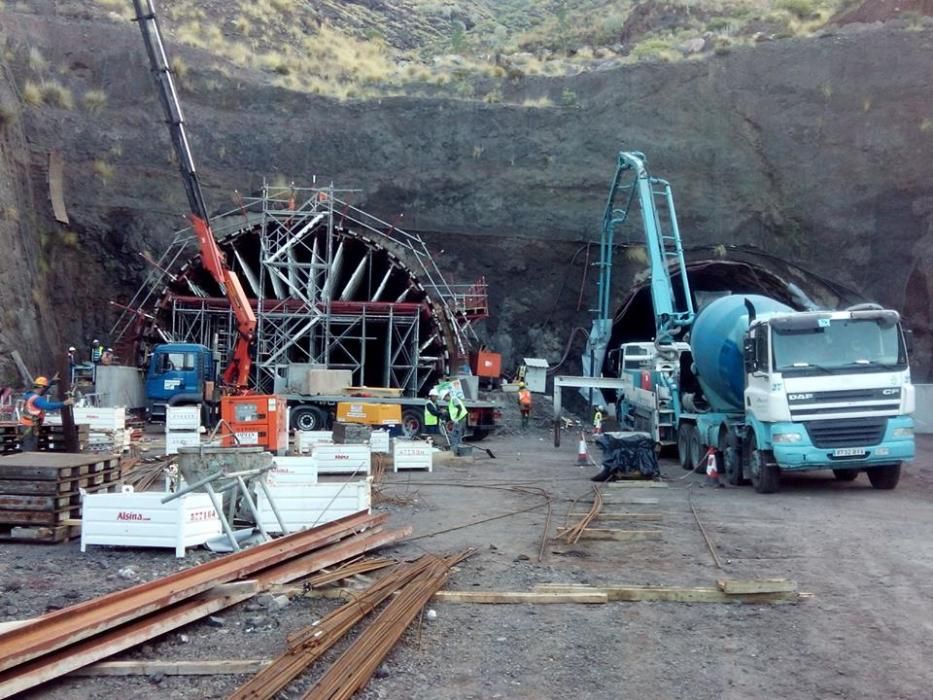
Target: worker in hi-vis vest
{"points": [[457, 412], [524, 403], [431, 411], [34, 407]]}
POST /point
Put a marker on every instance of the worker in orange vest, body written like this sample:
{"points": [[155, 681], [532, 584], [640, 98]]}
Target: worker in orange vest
{"points": [[524, 403], [34, 408]]}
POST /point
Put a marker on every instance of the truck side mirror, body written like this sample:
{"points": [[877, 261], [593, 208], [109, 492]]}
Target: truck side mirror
{"points": [[909, 340]]}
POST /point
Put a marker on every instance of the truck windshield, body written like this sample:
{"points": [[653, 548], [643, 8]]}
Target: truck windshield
{"points": [[840, 344], [177, 362]]}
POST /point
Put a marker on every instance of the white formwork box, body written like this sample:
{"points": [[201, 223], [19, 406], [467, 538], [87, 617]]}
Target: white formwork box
{"points": [[131, 519], [183, 417], [412, 454], [342, 459], [305, 440], [182, 427], [292, 470], [308, 505], [379, 441]]}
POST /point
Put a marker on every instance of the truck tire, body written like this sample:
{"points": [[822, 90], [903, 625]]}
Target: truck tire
{"points": [[886, 477], [683, 445], [308, 418], [731, 458], [765, 474], [845, 474], [412, 423], [696, 451]]}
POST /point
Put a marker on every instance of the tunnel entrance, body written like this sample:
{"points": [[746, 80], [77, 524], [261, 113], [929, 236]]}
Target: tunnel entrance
{"points": [[709, 280]]}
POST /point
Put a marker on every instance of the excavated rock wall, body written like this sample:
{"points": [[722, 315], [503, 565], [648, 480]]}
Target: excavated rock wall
{"points": [[812, 150]]}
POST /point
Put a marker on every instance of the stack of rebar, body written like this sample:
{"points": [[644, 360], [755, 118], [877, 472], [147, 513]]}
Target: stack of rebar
{"points": [[419, 580], [572, 534], [359, 662]]}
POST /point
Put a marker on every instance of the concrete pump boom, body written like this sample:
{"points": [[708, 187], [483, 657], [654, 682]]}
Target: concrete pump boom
{"points": [[236, 374], [672, 314]]}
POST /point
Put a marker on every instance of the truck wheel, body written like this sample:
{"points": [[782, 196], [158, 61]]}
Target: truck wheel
{"points": [[731, 459], [696, 451], [683, 445], [885, 477], [412, 423], [765, 475], [845, 474], [308, 418]]}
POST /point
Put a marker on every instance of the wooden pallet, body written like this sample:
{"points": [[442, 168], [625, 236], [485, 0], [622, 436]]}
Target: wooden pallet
{"points": [[18, 533], [40, 492]]}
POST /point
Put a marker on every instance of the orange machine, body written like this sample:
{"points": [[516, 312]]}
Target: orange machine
{"points": [[369, 413], [256, 420], [487, 364]]}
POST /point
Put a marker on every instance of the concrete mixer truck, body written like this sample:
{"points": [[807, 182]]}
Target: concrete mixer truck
{"points": [[762, 388]]}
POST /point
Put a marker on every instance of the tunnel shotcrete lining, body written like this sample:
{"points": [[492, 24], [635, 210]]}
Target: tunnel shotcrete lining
{"points": [[330, 284]]}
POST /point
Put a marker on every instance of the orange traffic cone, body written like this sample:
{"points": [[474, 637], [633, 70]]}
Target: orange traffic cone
{"points": [[582, 456], [712, 473]]}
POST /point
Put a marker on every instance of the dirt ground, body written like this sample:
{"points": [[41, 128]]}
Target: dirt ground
{"points": [[865, 555]]}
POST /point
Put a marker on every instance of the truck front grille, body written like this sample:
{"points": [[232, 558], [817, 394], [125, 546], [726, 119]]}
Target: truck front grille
{"points": [[846, 432]]}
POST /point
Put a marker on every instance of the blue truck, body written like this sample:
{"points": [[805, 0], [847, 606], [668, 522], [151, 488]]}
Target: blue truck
{"points": [[759, 386]]}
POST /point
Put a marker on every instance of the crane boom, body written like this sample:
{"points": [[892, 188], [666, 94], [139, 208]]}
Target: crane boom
{"points": [[672, 313], [236, 374]]}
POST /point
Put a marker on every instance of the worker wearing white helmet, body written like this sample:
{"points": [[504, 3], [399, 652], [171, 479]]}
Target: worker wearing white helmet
{"points": [[458, 415], [431, 412]]}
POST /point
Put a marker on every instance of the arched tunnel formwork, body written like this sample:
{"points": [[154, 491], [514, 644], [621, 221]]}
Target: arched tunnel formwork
{"points": [[330, 286]]}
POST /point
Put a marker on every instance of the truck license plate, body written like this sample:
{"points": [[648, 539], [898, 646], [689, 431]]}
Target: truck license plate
{"points": [[849, 452]]}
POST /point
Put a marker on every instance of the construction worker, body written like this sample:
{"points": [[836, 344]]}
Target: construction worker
{"points": [[431, 411], [524, 403], [598, 420], [97, 351], [34, 408], [458, 415], [106, 357]]}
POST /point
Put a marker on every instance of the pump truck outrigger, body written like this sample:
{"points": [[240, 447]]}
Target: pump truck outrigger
{"points": [[771, 389]]}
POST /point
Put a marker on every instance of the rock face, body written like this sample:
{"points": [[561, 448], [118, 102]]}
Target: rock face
{"points": [[809, 149]]}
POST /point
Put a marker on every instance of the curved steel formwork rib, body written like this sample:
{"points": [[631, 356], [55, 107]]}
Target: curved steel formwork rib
{"points": [[331, 285]]}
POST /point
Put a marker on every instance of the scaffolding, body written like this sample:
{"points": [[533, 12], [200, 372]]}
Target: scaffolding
{"points": [[331, 285]]}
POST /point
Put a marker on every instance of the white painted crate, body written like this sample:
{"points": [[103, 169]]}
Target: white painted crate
{"points": [[412, 454], [101, 418], [142, 520], [306, 505], [305, 440], [342, 459], [379, 441], [181, 438], [182, 417], [293, 470]]}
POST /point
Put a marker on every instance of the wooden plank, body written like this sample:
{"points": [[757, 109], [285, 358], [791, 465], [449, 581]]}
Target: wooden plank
{"points": [[52, 459], [766, 585], [674, 594], [69, 485], [635, 484], [632, 502], [616, 535], [212, 667], [516, 597], [646, 517]]}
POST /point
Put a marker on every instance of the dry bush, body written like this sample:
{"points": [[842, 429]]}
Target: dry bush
{"points": [[95, 101], [32, 94]]}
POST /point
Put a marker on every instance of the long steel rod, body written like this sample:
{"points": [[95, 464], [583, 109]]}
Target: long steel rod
{"points": [[69, 625]]}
